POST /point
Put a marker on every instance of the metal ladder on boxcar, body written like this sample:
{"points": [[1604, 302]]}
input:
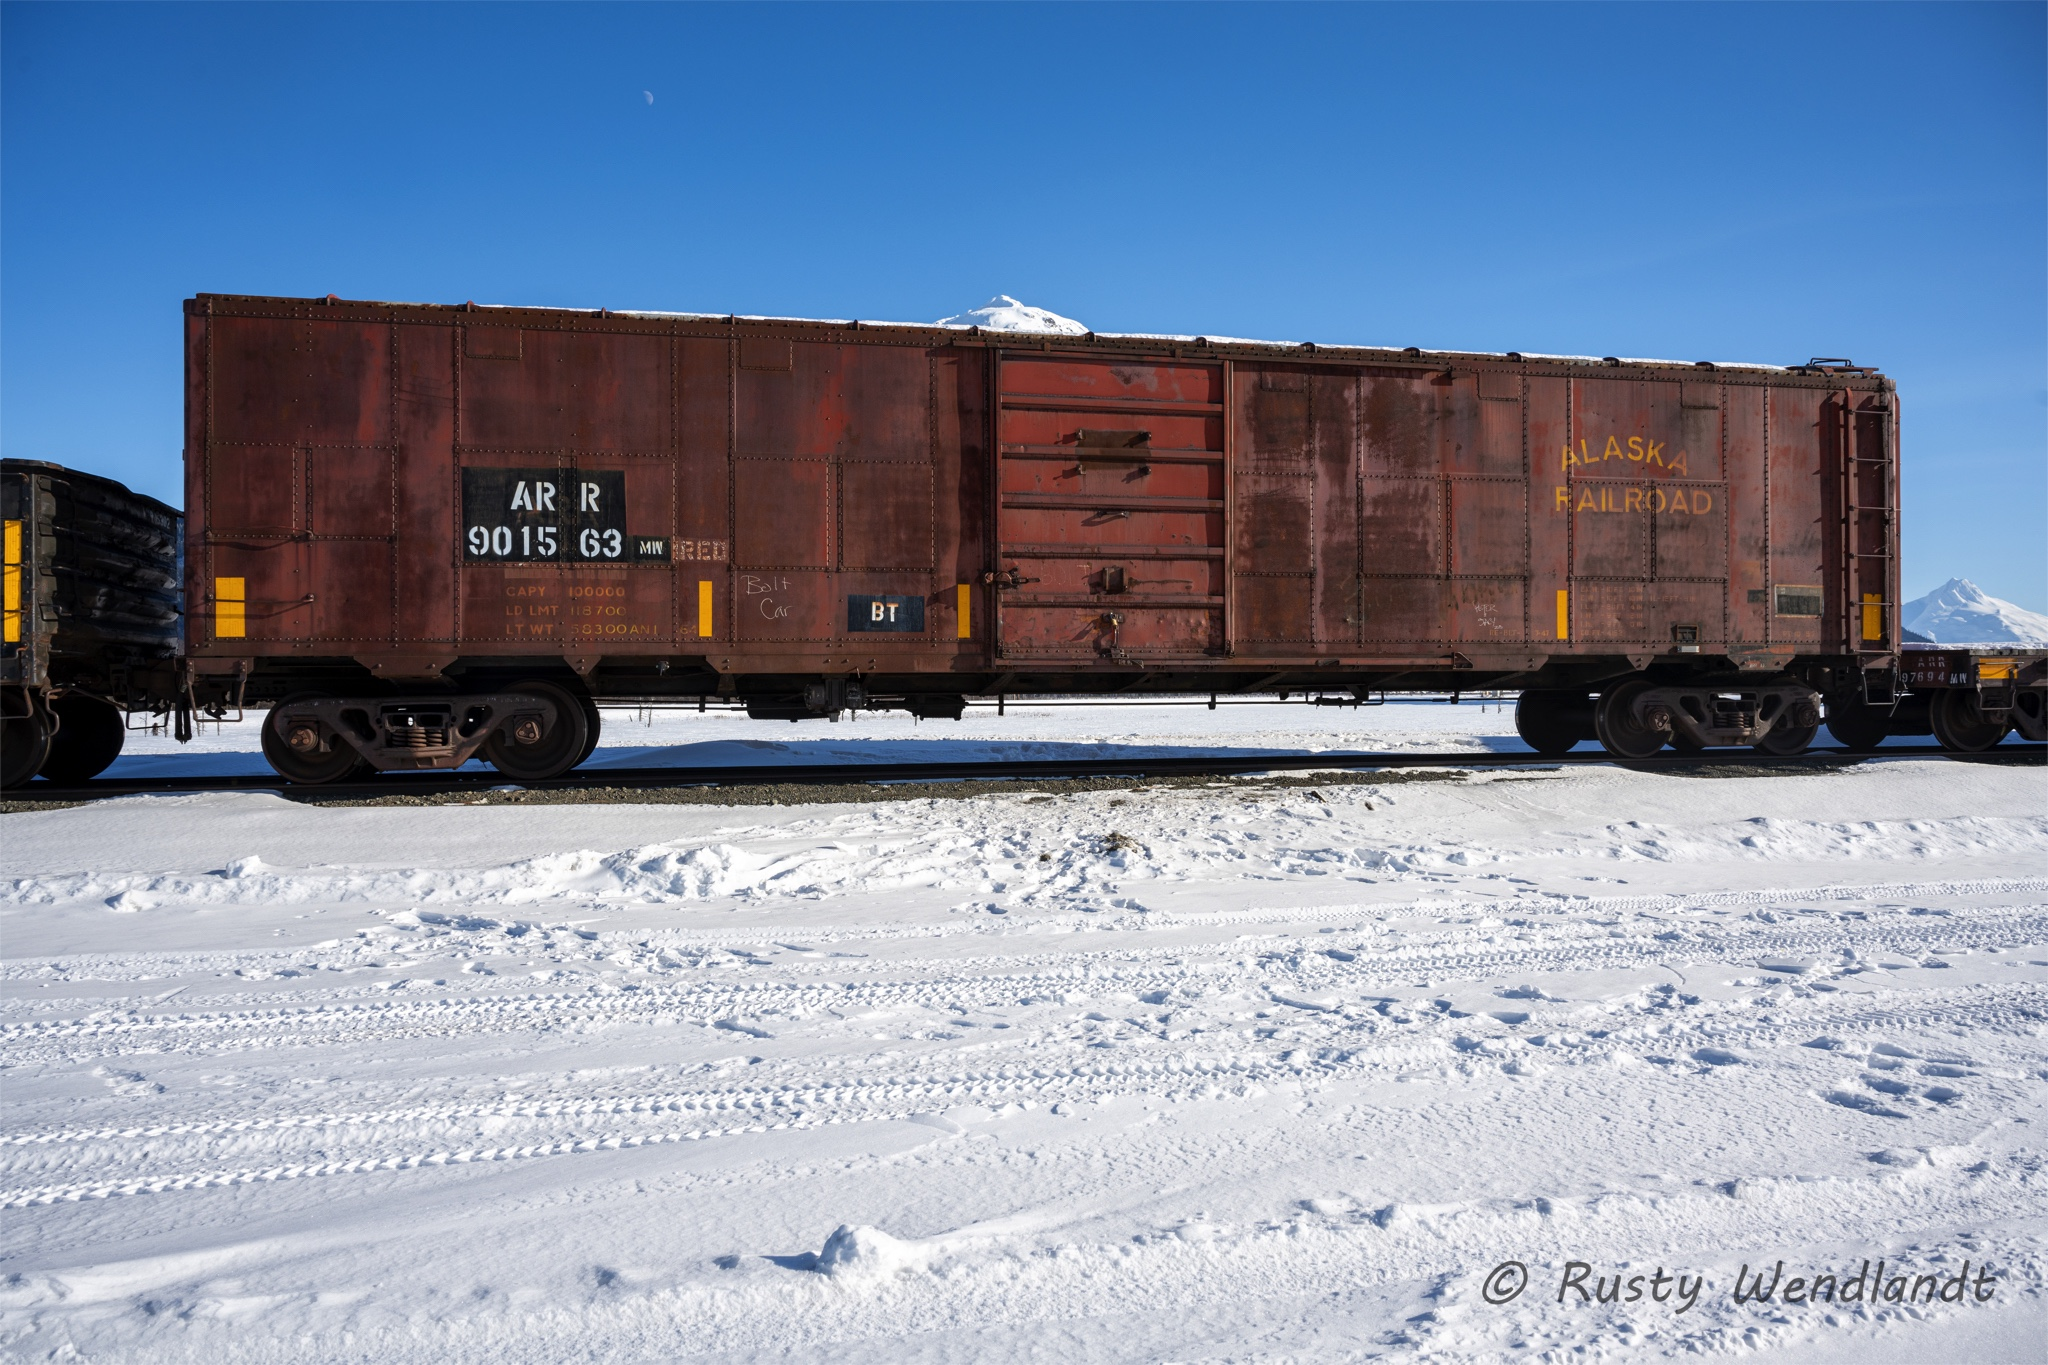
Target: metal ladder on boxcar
{"points": [[1868, 474]]}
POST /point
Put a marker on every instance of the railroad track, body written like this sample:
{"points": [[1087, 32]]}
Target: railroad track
{"points": [[840, 774]]}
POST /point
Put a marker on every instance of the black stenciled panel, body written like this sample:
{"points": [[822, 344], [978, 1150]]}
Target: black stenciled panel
{"points": [[575, 516], [867, 612]]}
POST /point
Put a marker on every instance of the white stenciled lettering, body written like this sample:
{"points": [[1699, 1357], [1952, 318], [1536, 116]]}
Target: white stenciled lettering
{"points": [[589, 497], [520, 501]]}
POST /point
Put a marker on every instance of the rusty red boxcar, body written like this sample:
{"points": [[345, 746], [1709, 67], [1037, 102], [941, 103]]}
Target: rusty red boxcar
{"points": [[427, 532]]}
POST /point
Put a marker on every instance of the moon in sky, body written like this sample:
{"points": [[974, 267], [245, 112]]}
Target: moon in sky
{"points": [[649, 94]]}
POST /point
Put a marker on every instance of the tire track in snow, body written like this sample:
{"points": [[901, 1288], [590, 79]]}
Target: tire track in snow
{"points": [[805, 1101], [1034, 979]]}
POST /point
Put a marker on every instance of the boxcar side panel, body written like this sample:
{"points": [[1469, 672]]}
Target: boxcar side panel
{"points": [[1798, 573], [1402, 517], [1275, 499], [426, 494], [1649, 514], [704, 584], [960, 463], [564, 442], [406, 485], [1749, 612], [1549, 606]]}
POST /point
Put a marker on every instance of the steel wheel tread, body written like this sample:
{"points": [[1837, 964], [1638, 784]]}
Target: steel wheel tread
{"points": [[560, 749], [1787, 739], [1960, 724], [1551, 723], [1857, 725], [24, 743], [1618, 730], [341, 761], [88, 739]]}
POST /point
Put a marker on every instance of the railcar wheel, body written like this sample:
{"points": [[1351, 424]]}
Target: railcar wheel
{"points": [[88, 738], [596, 727], [306, 765], [1621, 734], [24, 737], [1787, 738], [1960, 724], [548, 755], [1552, 722], [1856, 724]]}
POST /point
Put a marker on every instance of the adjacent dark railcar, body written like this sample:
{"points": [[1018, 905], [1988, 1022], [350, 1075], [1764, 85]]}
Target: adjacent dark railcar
{"points": [[89, 618], [401, 516]]}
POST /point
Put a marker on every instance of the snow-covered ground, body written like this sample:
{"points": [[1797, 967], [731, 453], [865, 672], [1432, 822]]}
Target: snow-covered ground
{"points": [[1247, 1071]]}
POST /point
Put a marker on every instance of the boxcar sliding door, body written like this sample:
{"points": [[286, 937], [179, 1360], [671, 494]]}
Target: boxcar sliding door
{"points": [[1110, 508]]}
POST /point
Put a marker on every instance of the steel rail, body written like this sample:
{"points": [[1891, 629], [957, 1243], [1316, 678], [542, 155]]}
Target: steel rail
{"points": [[1010, 770]]}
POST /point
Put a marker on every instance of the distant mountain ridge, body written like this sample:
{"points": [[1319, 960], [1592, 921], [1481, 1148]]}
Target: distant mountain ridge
{"points": [[1961, 613]]}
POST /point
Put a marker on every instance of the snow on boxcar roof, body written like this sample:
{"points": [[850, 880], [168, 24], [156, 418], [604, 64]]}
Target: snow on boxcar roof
{"points": [[1004, 313]]}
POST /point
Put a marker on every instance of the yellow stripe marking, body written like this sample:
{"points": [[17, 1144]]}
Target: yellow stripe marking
{"points": [[703, 608], [11, 629], [1564, 614], [1873, 616], [966, 599], [230, 608]]}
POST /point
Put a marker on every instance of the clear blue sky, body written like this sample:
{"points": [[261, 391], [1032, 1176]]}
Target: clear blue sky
{"points": [[1759, 182]]}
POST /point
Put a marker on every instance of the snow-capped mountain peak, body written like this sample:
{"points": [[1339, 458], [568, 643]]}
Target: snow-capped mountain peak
{"points": [[1961, 613], [1005, 314]]}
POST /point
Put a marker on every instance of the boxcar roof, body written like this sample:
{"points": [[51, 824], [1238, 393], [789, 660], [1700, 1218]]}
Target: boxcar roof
{"points": [[1295, 350]]}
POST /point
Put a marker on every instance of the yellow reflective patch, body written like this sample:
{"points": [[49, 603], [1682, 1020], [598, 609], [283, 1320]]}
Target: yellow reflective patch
{"points": [[230, 608], [1873, 616], [1564, 614], [1995, 670], [703, 609], [966, 598], [10, 620]]}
